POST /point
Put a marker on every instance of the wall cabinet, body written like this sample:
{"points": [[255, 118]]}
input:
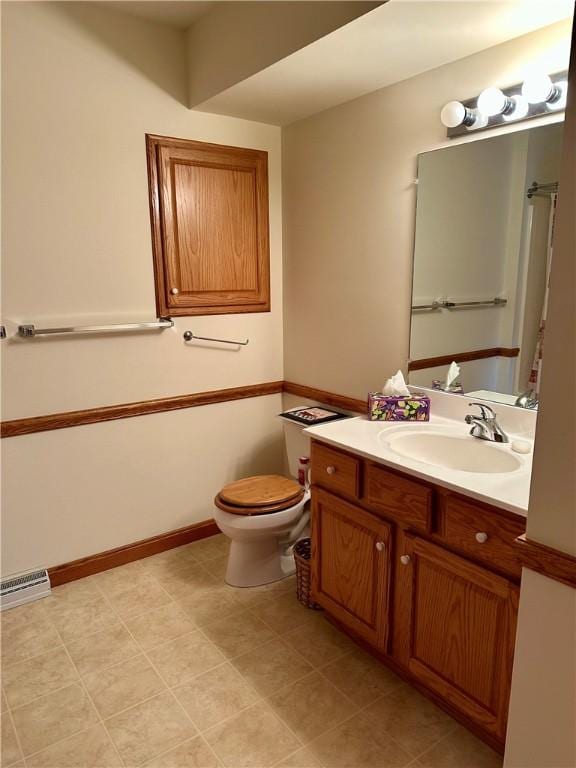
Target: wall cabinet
{"points": [[424, 576], [209, 213]]}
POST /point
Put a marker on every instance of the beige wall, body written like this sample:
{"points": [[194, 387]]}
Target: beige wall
{"points": [[349, 206], [235, 40], [81, 87], [541, 730]]}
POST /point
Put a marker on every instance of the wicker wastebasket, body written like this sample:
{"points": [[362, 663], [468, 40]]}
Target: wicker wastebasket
{"points": [[302, 555]]}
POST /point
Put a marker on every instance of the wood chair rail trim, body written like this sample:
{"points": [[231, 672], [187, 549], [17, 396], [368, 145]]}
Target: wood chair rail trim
{"points": [[462, 357], [51, 421], [547, 561]]}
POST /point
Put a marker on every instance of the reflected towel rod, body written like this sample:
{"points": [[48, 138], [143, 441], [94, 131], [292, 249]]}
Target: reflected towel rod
{"points": [[447, 304], [189, 336], [30, 331]]}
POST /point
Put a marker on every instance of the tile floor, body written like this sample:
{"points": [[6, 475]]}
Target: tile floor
{"points": [[159, 663]]}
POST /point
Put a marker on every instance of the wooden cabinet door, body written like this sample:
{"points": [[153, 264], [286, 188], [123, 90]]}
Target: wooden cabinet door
{"points": [[458, 624], [209, 209], [351, 556]]}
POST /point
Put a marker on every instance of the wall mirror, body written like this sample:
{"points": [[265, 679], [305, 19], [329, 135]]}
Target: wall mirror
{"points": [[483, 249]]}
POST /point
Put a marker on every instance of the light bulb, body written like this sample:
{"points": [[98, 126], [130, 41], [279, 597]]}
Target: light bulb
{"points": [[520, 109], [455, 113], [493, 102], [562, 92], [538, 88], [480, 120]]}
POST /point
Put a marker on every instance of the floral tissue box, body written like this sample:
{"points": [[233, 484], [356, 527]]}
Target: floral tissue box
{"points": [[398, 408]]}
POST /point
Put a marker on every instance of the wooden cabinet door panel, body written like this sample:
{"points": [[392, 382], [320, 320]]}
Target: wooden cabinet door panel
{"points": [[350, 577], [210, 221], [460, 632]]}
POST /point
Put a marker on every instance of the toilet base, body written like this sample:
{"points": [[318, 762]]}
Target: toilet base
{"points": [[255, 563]]}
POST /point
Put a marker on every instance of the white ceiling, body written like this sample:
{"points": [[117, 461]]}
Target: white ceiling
{"points": [[391, 43], [176, 13]]}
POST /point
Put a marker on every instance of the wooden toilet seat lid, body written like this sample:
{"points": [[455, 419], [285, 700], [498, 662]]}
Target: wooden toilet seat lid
{"points": [[234, 509], [261, 491]]}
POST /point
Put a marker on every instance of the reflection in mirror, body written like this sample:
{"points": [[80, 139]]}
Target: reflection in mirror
{"points": [[483, 251]]}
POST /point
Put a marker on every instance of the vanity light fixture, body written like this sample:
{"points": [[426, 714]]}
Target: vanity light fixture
{"points": [[540, 94]]}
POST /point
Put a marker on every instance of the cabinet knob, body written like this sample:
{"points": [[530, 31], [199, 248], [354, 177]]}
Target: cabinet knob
{"points": [[405, 559], [331, 470], [380, 546], [481, 537], [174, 291]]}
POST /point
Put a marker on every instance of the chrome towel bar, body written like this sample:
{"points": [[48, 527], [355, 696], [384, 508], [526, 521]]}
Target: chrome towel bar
{"points": [[30, 331], [189, 336]]}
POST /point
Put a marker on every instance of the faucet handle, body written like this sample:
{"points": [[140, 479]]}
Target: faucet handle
{"points": [[486, 411]]}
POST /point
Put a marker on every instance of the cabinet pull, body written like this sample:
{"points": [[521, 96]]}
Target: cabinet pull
{"points": [[405, 559], [380, 546], [481, 537], [174, 291], [331, 470]]}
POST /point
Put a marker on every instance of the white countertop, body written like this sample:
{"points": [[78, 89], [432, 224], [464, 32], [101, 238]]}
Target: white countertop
{"points": [[507, 490]]}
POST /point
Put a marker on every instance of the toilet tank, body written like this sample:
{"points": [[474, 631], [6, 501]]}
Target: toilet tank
{"points": [[296, 444]]}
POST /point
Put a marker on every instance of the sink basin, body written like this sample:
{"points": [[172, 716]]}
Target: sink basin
{"points": [[464, 453]]}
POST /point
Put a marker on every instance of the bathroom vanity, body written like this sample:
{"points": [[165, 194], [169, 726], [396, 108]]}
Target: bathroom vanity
{"points": [[417, 561]]}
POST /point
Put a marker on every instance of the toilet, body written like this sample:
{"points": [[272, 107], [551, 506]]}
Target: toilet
{"points": [[263, 516]]}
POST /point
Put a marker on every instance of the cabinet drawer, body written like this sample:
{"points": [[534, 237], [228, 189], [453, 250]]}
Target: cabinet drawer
{"points": [[335, 471], [484, 535], [404, 500]]}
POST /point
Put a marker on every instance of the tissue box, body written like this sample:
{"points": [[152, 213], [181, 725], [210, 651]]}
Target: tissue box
{"points": [[398, 408]]}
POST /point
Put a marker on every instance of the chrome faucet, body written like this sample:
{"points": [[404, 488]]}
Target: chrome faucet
{"points": [[528, 399], [485, 426]]}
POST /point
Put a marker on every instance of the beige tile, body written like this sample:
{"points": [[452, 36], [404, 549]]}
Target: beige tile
{"points": [[51, 718], [412, 721], [361, 677], [356, 743], [22, 639], [4, 706], [10, 751], [38, 676], [75, 593], [208, 549], [194, 753], [254, 738], [239, 635], [302, 758], [283, 612], [214, 695], [189, 581], [166, 562], [271, 666], [124, 685], [185, 657], [460, 749], [104, 649], [311, 706], [217, 566], [143, 597], [149, 728], [119, 579], [159, 626], [75, 621], [255, 596], [23, 614], [206, 607], [318, 641], [88, 749]]}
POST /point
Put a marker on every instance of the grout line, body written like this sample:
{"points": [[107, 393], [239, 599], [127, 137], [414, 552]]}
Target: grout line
{"points": [[16, 734]]}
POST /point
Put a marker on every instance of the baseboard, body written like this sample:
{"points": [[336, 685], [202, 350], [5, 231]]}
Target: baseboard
{"points": [[103, 561]]}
